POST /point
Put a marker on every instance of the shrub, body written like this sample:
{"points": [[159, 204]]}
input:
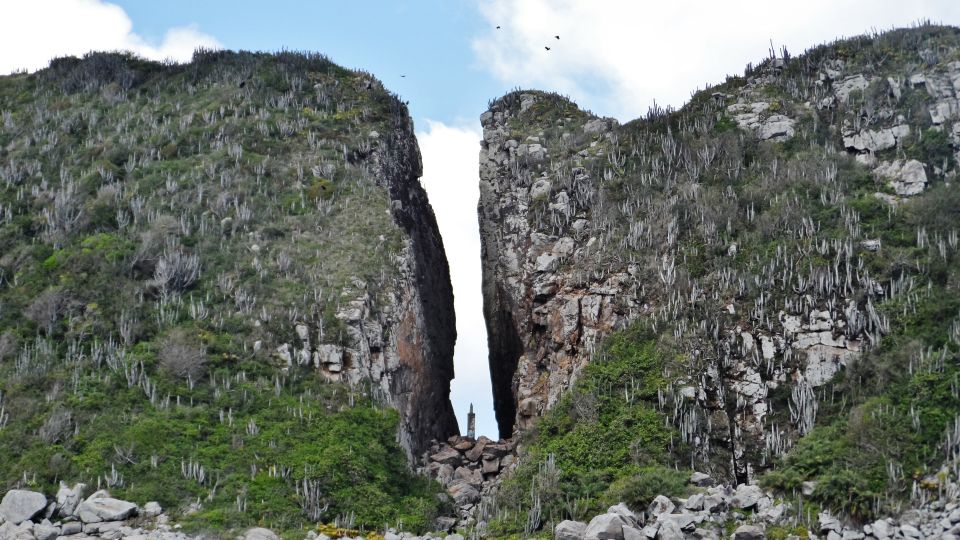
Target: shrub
{"points": [[46, 309], [182, 356], [175, 272]]}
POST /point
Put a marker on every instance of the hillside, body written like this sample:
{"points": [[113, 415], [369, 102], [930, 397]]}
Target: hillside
{"points": [[761, 286], [221, 288]]}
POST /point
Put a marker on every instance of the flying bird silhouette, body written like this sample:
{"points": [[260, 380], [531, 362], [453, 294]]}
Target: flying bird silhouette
{"points": [[498, 28], [558, 37], [547, 48]]}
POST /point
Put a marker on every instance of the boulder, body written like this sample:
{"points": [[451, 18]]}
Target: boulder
{"points": [[599, 125], [606, 527], [695, 502], [684, 522], [20, 505], [749, 532], [633, 533], [540, 189], [881, 529], [464, 444], [9, 531], [151, 509], [670, 530], [495, 450], [45, 531], [714, 503], [660, 505], [445, 523], [777, 127], [623, 510], [710, 534], [828, 522], [463, 493], [99, 494], [569, 530], [447, 456], [909, 531], [68, 498], [70, 528], [468, 475], [905, 177], [259, 533], [746, 496], [773, 514], [105, 509], [700, 479], [474, 453], [875, 141]]}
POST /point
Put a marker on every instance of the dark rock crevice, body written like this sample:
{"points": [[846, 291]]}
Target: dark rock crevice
{"points": [[505, 348]]}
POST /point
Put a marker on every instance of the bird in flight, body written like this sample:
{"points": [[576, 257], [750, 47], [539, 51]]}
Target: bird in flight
{"points": [[402, 76], [547, 48], [558, 37], [498, 28]]}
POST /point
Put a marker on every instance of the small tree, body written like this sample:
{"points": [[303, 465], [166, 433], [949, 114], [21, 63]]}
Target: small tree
{"points": [[46, 310], [175, 272], [8, 344], [182, 356]]}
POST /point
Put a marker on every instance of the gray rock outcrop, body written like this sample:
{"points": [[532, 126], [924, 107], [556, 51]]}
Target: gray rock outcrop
{"points": [[259, 533], [20, 505], [105, 509], [68, 498], [569, 530], [905, 177]]}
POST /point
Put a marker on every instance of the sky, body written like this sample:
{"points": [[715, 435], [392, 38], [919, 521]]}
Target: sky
{"points": [[449, 59]]}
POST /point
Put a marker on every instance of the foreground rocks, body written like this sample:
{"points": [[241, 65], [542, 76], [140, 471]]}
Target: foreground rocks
{"points": [[28, 515], [710, 513], [20, 505]]}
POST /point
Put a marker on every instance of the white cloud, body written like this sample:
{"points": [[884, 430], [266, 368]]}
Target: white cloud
{"points": [[450, 176], [34, 31], [618, 56]]}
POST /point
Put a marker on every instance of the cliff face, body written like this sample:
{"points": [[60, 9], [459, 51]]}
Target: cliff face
{"points": [[774, 231], [420, 385], [240, 243]]}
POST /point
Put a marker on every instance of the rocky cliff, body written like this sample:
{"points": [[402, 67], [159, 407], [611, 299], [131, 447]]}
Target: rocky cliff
{"points": [[786, 233], [234, 252]]}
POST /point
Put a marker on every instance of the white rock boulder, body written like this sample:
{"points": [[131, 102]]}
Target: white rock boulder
{"points": [[20, 505], [105, 509], [259, 533], [905, 177]]}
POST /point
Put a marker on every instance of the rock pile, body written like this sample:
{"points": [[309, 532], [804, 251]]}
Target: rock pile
{"points": [[708, 513], [701, 516], [28, 515], [469, 468]]}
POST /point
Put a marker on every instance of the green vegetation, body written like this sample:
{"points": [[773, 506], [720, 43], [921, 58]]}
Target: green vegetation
{"points": [[603, 443], [163, 228]]}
